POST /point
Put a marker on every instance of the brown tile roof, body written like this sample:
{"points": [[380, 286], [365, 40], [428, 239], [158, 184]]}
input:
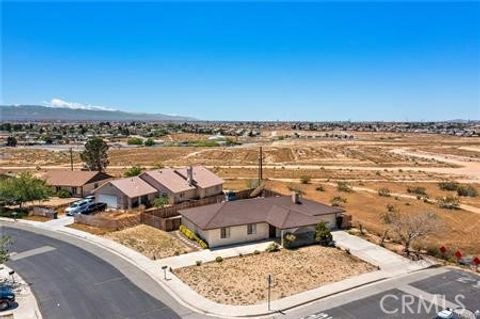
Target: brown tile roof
{"points": [[170, 179], [202, 177], [73, 178], [176, 179], [132, 186], [280, 212]]}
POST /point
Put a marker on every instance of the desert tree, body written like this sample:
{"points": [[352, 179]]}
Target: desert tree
{"points": [[11, 141], [95, 154], [133, 171], [409, 228], [23, 188]]}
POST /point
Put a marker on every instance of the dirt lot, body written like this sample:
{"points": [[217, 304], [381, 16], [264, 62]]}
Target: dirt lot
{"points": [[150, 241], [242, 280]]}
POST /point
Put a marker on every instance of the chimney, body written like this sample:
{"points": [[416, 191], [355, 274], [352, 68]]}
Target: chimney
{"points": [[295, 198], [190, 175]]}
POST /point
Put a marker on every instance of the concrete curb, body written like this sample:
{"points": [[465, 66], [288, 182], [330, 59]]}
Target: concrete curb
{"points": [[188, 298]]}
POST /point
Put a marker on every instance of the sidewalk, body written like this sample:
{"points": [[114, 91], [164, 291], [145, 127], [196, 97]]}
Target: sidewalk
{"points": [[207, 255], [27, 304], [391, 265]]}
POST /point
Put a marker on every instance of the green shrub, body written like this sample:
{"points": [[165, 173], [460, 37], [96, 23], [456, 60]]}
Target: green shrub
{"points": [[305, 179], [273, 247], [256, 252], [448, 202], [64, 193], [149, 142], [448, 186], [320, 188], [344, 187], [192, 236], [385, 192], [467, 190], [323, 234], [161, 201], [133, 171], [198, 263], [338, 201], [218, 259], [134, 141], [417, 190], [289, 240]]}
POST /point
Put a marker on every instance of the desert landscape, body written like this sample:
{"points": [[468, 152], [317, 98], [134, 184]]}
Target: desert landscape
{"points": [[367, 162]]}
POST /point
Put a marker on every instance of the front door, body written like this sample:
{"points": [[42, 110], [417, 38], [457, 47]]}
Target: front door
{"points": [[272, 231]]}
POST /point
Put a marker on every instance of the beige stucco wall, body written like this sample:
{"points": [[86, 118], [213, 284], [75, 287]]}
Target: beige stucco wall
{"points": [[238, 234]]}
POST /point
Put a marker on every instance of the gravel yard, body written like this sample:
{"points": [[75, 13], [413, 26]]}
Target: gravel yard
{"points": [[242, 280]]}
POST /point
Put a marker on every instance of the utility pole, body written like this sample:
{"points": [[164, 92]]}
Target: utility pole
{"points": [[71, 158], [260, 166]]}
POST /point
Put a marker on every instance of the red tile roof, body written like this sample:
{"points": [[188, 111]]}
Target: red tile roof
{"points": [[133, 186]]}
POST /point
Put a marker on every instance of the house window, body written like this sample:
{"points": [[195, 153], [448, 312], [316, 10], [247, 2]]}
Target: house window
{"points": [[225, 232], [251, 229], [74, 190]]}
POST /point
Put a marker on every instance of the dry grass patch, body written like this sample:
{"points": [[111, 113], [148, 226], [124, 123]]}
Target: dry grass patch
{"points": [[150, 241], [242, 280], [89, 229]]}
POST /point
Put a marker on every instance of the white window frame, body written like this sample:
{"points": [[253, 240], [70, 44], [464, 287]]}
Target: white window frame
{"points": [[251, 229], [225, 232]]}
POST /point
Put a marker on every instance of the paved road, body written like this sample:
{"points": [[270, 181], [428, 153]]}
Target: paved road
{"points": [[70, 282], [410, 300]]}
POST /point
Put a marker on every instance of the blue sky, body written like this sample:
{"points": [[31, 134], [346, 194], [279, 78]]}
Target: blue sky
{"points": [[247, 60]]}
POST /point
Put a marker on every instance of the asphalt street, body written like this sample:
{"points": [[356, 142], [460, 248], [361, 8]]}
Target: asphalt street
{"points": [[455, 286], [70, 282]]}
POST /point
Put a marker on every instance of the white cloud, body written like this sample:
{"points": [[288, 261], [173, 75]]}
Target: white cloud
{"points": [[56, 102]]}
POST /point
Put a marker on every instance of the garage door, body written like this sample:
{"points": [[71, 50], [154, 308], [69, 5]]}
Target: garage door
{"points": [[110, 200]]}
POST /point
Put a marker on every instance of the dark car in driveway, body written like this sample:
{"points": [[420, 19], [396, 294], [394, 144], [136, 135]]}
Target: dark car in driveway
{"points": [[94, 208], [7, 297]]}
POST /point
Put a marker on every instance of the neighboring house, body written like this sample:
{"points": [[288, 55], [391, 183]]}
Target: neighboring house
{"points": [[77, 183], [183, 184], [254, 219], [125, 193]]}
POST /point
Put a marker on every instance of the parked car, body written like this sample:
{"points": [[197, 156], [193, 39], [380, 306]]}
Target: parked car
{"points": [[94, 207], [7, 297], [77, 208]]}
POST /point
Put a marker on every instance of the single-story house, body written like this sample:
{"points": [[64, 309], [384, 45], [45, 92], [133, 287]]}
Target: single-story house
{"points": [[125, 193], [234, 222], [183, 184], [77, 183]]}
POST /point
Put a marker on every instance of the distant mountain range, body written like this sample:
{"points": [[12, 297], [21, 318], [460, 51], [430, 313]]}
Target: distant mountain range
{"points": [[46, 113]]}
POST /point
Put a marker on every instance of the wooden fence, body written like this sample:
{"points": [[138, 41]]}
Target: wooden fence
{"points": [[109, 221], [166, 218]]}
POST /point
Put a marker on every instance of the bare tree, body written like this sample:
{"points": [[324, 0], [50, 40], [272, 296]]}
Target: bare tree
{"points": [[409, 228]]}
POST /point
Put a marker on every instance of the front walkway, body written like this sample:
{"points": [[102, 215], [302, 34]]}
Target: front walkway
{"points": [[207, 255]]}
